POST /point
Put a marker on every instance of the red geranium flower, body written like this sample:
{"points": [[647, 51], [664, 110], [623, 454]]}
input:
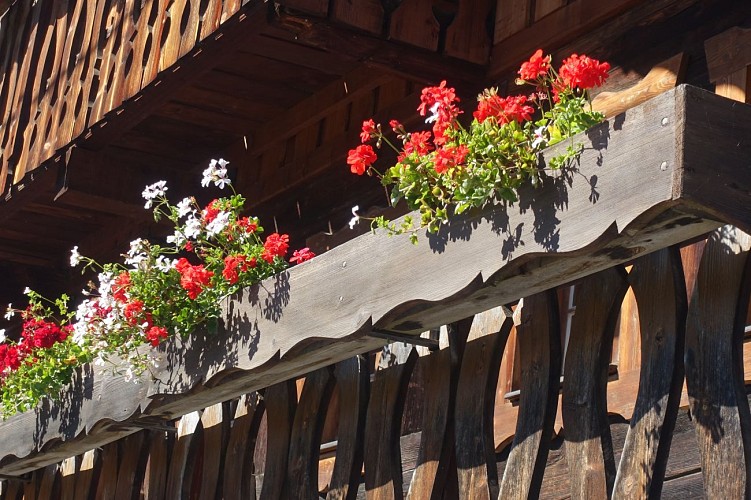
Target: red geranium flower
{"points": [[276, 245], [450, 156], [503, 109], [194, 279], [121, 286], [536, 67], [211, 211], [368, 130], [361, 158], [419, 142], [583, 72], [302, 255], [133, 310], [233, 266], [156, 334], [9, 358]]}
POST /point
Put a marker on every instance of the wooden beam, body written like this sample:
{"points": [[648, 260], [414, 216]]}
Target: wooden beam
{"points": [[641, 185]]}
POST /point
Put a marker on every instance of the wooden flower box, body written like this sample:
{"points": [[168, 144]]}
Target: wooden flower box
{"points": [[662, 173]]}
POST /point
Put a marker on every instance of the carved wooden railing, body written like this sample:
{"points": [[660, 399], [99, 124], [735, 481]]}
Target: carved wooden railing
{"points": [[663, 172]]}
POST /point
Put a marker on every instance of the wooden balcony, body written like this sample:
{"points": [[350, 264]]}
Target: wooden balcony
{"points": [[662, 173]]}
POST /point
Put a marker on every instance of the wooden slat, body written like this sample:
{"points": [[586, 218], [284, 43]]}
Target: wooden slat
{"points": [[662, 77], [353, 381], [305, 440], [589, 448], [49, 483], [281, 400], [315, 7], [131, 466], [383, 471], [183, 458], [239, 478], [658, 285], [540, 358], [190, 31], [67, 478], [215, 422], [157, 466], [413, 23], [714, 366], [106, 481], [545, 7], [87, 473], [728, 52], [473, 415], [366, 15], [441, 375], [467, 36]]}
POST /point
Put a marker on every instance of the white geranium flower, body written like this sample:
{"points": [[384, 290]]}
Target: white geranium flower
{"points": [[176, 238], [216, 173], [164, 264], [2, 335], [27, 290], [9, 312], [217, 225], [75, 257], [192, 227], [540, 139], [154, 191], [355, 218], [184, 207]]}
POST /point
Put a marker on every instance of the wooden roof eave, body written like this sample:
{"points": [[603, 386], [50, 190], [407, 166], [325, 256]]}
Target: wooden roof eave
{"points": [[661, 173]]}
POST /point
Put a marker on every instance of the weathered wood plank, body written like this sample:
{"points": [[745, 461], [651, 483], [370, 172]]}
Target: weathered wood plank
{"points": [[540, 358], [383, 471], [473, 415], [662, 77], [183, 459], [131, 465], [659, 287], [467, 36], [239, 479], [157, 466], [215, 422], [714, 364], [441, 375], [353, 380], [366, 15], [413, 23], [305, 440], [281, 401], [589, 447]]}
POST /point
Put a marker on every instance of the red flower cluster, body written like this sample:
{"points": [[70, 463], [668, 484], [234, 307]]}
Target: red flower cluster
{"points": [[276, 245], [361, 158], [41, 334], [418, 142], [193, 278], [211, 211], [368, 130], [583, 72], [536, 67], [503, 109], [441, 102], [246, 225], [134, 313], [121, 286], [302, 255], [156, 334], [450, 156], [236, 264], [10, 359]]}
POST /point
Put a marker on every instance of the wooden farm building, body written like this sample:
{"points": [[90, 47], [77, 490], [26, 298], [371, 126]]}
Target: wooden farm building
{"points": [[382, 369]]}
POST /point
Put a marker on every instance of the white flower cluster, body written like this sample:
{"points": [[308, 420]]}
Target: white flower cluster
{"points": [[216, 173], [154, 191]]}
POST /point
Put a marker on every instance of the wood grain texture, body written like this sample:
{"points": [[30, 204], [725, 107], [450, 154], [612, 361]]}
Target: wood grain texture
{"points": [[540, 357], [473, 416], [182, 463], [281, 402], [383, 471], [353, 380], [215, 422], [714, 364], [728, 52], [567, 229], [467, 36], [305, 440], [366, 15], [658, 284], [662, 77], [589, 447], [441, 375], [239, 478], [413, 23]]}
